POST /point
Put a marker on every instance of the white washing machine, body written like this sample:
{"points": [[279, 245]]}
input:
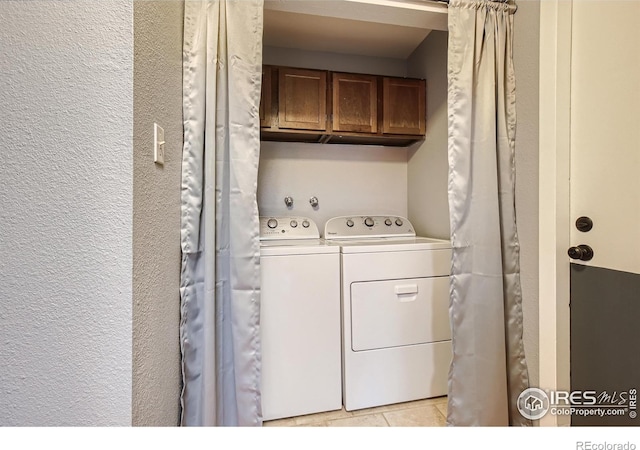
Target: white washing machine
{"points": [[299, 319], [395, 311]]}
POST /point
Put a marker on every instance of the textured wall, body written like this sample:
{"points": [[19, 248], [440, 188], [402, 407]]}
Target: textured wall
{"points": [[526, 50], [65, 212], [157, 85]]}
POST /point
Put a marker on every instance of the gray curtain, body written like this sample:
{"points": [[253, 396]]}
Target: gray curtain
{"points": [[488, 371], [220, 280]]}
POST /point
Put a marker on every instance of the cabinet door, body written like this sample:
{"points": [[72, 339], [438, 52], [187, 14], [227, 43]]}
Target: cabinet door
{"points": [[302, 99], [404, 106], [265, 97], [355, 103]]}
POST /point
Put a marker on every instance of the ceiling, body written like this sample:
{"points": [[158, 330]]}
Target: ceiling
{"points": [[384, 28]]}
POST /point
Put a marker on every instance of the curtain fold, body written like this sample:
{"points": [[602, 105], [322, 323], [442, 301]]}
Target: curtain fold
{"points": [[220, 278], [488, 371]]}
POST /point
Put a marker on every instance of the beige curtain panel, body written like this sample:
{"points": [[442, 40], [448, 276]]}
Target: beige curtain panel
{"points": [[488, 371], [220, 281]]}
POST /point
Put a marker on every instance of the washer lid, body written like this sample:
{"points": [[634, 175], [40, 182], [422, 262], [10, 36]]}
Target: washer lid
{"points": [[392, 245], [297, 247]]}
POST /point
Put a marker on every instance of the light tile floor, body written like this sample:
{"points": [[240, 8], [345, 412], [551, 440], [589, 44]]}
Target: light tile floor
{"points": [[430, 412]]}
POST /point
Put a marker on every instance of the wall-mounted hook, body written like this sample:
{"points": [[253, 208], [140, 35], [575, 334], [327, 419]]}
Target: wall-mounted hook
{"points": [[288, 201], [314, 202]]}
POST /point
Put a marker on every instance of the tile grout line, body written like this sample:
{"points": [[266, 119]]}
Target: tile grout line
{"points": [[442, 415]]}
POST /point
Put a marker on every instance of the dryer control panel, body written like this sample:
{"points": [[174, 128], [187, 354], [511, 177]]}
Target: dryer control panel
{"points": [[364, 227], [287, 227]]}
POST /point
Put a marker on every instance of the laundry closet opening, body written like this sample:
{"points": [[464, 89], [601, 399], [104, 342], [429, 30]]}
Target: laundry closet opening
{"points": [[348, 179], [324, 179]]}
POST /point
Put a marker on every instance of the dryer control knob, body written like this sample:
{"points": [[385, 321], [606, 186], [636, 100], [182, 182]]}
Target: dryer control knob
{"points": [[350, 223], [272, 223], [399, 222], [388, 222], [368, 222], [294, 224], [305, 223]]}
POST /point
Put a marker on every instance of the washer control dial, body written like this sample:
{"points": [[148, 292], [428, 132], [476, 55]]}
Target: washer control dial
{"points": [[399, 222], [287, 227], [350, 223], [388, 222], [368, 222]]}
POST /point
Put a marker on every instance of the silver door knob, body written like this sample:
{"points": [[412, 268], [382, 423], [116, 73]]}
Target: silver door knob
{"points": [[314, 202], [288, 201]]}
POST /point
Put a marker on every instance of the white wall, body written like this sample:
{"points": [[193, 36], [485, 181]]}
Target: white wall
{"points": [[337, 62], [157, 86], [65, 213], [347, 179], [428, 165]]}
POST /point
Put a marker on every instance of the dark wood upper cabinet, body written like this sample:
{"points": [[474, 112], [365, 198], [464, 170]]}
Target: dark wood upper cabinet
{"points": [[364, 109], [354, 103], [302, 99], [404, 110]]}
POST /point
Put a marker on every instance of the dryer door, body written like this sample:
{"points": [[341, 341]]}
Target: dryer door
{"points": [[395, 313]]}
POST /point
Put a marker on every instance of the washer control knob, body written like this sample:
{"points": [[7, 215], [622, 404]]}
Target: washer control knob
{"points": [[294, 224], [399, 222], [368, 222], [349, 223], [272, 223], [387, 222], [305, 223]]}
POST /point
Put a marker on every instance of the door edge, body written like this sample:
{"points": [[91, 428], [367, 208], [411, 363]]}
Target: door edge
{"points": [[554, 198]]}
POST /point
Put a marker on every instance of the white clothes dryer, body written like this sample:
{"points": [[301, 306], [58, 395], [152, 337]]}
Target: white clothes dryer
{"points": [[299, 319], [395, 311]]}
